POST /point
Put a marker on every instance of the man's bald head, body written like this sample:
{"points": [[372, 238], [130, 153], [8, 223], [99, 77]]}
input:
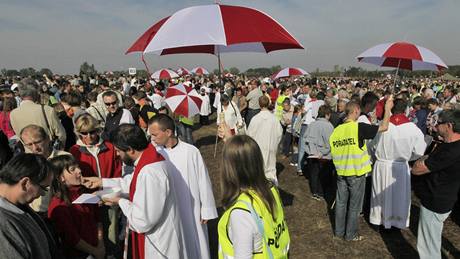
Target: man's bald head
{"points": [[36, 140]]}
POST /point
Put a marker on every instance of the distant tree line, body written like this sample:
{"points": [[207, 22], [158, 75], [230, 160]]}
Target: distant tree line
{"points": [[361, 72], [26, 72], [87, 70]]}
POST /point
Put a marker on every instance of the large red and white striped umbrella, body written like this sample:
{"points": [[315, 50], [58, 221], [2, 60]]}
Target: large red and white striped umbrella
{"points": [[183, 100], [215, 29], [290, 71], [403, 55], [164, 74], [182, 71], [200, 71]]}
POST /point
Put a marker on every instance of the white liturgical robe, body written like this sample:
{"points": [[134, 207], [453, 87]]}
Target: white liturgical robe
{"points": [[266, 130], [153, 210], [391, 186], [194, 195]]}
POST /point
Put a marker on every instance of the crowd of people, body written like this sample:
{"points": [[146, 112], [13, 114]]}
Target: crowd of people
{"points": [[364, 145]]}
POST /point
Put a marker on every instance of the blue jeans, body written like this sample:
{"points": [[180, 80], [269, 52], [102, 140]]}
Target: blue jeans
{"points": [[250, 114], [429, 233], [185, 132], [350, 191], [301, 146], [287, 142]]}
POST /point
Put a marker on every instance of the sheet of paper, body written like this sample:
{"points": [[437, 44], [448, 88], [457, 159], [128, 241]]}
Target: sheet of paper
{"points": [[87, 198]]}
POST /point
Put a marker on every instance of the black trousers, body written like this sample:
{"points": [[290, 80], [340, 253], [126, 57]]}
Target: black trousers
{"points": [[320, 175], [204, 119]]}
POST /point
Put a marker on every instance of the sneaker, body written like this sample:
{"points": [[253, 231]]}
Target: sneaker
{"points": [[316, 197], [299, 173], [293, 164], [356, 238]]}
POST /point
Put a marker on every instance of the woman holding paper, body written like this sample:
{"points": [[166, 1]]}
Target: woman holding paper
{"points": [[77, 225]]}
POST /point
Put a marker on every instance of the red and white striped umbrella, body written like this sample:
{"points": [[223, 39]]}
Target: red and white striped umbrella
{"points": [[215, 29], [164, 74], [403, 55], [290, 71], [182, 71], [183, 100], [200, 71]]}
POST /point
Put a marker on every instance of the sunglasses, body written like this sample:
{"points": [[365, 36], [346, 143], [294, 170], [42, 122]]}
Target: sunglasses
{"points": [[89, 132], [111, 104]]}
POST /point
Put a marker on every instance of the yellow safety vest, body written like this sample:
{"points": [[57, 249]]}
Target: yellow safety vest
{"points": [[274, 231], [185, 120], [349, 159], [279, 106]]}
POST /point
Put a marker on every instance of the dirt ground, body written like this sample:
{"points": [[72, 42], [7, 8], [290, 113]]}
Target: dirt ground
{"points": [[310, 221]]}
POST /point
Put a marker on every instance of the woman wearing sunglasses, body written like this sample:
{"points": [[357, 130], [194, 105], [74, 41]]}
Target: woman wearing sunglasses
{"points": [[97, 157]]}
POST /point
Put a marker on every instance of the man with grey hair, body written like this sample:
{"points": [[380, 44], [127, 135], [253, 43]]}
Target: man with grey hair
{"points": [[439, 186], [428, 94], [30, 112]]}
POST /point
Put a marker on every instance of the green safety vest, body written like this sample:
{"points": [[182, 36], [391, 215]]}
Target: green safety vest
{"points": [[349, 159], [185, 120], [279, 106], [274, 231]]}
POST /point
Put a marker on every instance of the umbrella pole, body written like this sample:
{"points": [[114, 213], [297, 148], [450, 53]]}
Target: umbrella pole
{"points": [[396, 75], [146, 66], [215, 145], [220, 70]]}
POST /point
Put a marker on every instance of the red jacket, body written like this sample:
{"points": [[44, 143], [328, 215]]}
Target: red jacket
{"points": [[110, 165], [274, 95], [73, 222]]}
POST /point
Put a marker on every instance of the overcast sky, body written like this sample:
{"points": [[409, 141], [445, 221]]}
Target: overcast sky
{"points": [[62, 34]]}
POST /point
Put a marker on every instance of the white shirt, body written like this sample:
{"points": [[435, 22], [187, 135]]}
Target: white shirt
{"points": [[244, 234], [311, 108]]}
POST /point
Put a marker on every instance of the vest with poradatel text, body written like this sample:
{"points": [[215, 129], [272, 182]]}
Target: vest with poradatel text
{"points": [[274, 232], [348, 158]]}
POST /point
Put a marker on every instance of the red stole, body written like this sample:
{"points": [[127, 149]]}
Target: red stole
{"points": [[149, 156], [399, 119]]}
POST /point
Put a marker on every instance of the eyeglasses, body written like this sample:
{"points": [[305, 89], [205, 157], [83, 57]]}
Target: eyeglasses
{"points": [[43, 189], [111, 104], [92, 132]]}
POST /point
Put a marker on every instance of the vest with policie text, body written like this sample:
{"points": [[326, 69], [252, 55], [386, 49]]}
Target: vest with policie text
{"points": [[274, 231], [348, 158]]}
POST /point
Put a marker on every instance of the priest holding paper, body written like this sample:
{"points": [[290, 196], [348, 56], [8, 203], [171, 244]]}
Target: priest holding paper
{"points": [[191, 179], [151, 208]]}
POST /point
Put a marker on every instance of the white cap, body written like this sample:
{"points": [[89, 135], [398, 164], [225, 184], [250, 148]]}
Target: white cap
{"points": [[14, 86]]}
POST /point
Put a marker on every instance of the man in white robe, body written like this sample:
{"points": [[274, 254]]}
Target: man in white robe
{"points": [[391, 186], [193, 186], [151, 210], [266, 130]]}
